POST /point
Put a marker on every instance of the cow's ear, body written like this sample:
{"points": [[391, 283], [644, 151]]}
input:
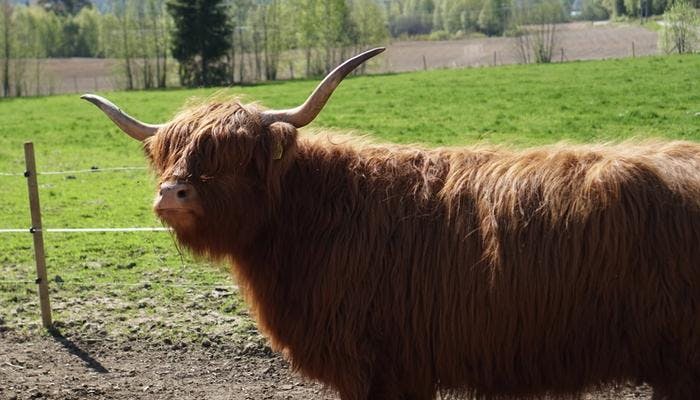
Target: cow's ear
{"points": [[282, 140], [275, 154]]}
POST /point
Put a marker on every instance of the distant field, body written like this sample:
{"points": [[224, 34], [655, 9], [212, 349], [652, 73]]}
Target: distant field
{"points": [[514, 105], [575, 41]]}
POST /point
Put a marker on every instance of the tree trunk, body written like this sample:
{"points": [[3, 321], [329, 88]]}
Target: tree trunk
{"points": [[266, 46], [232, 57], [7, 51], [203, 73], [127, 54], [256, 50], [308, 62], [156, 45], [241, 69], [163, 77], [164, 50], [328, 39]]}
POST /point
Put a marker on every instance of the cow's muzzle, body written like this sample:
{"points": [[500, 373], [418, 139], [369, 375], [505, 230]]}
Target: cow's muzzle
{"points": [[177, 197]]}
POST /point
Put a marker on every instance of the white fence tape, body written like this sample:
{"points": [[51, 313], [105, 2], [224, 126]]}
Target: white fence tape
{"points": [[73, 230], [79, 171], [92, 170]]}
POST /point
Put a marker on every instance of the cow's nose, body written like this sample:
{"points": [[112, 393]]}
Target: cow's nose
{"points": [[174, 195], [180, 190]]}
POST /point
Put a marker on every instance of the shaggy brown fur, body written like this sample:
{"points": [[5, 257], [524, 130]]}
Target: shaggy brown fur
{"points": [[391, 272]]}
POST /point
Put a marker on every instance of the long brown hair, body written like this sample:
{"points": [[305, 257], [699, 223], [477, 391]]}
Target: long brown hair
{"points": [[390, 271]]}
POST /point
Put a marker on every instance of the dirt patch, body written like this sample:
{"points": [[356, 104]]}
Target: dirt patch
{"points": [[56, 367], [66, 368], [575, 41]]}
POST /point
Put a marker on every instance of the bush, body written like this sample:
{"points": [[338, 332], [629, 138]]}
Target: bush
{"points": [[680, 31], [440, 35], [492, 17], [411, 25], [593, 10]]}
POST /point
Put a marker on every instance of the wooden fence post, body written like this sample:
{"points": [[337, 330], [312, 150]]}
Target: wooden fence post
{"points": [[39, 255]]}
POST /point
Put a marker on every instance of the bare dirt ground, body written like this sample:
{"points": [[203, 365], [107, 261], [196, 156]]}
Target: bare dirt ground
{"points": [[576, 41], [56, 367], [62, 368]]}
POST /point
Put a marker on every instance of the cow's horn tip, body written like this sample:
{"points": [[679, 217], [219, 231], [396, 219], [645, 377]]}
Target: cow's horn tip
{"points": [[92, 98]]}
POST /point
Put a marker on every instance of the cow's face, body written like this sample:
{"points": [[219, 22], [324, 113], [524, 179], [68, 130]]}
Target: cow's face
{"points": [[219, 165]]}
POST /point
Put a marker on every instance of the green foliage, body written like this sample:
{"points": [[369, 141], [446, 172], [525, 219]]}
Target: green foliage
{"points": [[31, 32], [513, 105], [657, 7], [493, 17], [88, 38], [411, 24], [594, 10], [616, 8], [369, 18], [201, 38], [326, 32], [64, 7], [137, 32], [644, 8], [410, 17], [680, 30]]}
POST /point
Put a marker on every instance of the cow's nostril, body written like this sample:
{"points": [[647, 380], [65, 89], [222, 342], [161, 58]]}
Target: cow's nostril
{"points": [[181, 194]]}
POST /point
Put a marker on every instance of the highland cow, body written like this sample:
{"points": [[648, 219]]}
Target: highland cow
{"points": [[395, 272]]}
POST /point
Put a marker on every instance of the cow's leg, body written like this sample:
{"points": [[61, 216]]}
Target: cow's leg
{"points": [[385, 386], [393, 392]]}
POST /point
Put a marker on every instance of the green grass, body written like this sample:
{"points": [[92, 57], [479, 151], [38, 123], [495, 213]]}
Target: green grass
{"points": [[516, 105]]}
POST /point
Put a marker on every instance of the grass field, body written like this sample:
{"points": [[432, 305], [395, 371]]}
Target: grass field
{"points": [[137, 286]]}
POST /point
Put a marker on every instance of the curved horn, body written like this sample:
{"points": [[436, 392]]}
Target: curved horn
{"points": [[305, 113], [131, 126]]}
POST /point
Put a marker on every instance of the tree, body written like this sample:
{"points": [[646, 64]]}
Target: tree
{"points": [[536, 29], [268, 17], [594, 10], [159, 23], [680, 31], [492, 18], [26, 40], [309, 18], [239, 11], [201, 39], [88, 23], [123, 26], [337, 30], [52, 33], [370, 21], [64, 7]]}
